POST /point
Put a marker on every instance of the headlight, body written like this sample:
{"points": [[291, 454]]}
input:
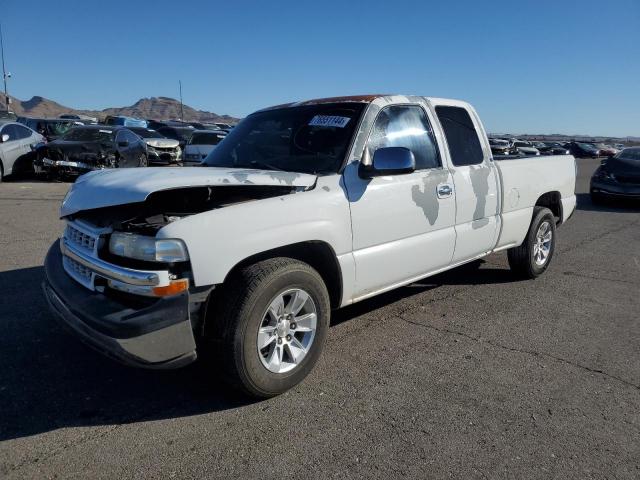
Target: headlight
{"points": [[147, 248], [604, 175]]}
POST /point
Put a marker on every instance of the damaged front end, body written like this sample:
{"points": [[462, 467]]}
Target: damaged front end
{"points": [[73, 159], [129, 293]]}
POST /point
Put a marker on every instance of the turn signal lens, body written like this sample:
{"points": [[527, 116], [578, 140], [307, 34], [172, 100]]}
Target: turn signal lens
{"points": [[175, 287]]}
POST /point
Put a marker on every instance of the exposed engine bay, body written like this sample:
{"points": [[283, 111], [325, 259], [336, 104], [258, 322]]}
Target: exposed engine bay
{"points": [[166, 206]]}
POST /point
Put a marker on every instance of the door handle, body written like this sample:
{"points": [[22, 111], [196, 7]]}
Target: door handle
{"points": [[444, 191]]}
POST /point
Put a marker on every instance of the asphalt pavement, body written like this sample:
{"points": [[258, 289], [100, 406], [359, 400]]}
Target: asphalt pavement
{"points": [[469, 374]]}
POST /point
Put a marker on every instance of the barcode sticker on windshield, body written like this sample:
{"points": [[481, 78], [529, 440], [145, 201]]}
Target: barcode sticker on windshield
{"points": [[104, 131], [329, 121]]}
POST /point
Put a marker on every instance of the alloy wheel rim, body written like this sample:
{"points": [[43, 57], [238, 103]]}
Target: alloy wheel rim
{"points": [[542, 245], [287, 330]]}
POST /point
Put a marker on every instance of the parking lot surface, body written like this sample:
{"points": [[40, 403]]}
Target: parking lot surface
{"points": [[469, 374]]}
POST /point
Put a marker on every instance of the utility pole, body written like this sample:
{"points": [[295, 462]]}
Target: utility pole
{"points": [[5, 75], [181, 111]]}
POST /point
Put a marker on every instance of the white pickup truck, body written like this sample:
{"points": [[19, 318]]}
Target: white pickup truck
{"points": [[301, 209]]}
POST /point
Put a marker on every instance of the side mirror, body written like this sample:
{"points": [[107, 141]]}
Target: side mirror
{"points": [[123, 143], [389, 161], [4, 138]]}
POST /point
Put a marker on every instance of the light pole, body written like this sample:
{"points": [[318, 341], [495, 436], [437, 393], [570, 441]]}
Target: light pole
{"points": [[5, 75], [181, 112]]}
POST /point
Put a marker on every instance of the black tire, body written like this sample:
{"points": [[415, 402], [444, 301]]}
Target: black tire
{"points": [[521, 259], [1, 172], [239, 313]]}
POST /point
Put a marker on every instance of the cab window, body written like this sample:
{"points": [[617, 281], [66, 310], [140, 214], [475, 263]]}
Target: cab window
{"points": [[405, 126], [462, 138]]}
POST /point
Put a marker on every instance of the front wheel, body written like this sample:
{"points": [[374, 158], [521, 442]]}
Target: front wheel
{"points": [[532, 258], [273, 319]]}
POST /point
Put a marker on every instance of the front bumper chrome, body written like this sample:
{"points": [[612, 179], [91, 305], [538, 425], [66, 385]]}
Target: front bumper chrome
{"points": [[109, 271]]}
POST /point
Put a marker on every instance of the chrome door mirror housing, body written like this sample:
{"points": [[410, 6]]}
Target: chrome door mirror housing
{"points": [[389, 161]]}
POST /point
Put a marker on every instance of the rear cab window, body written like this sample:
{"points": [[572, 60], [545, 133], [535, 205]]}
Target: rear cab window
{"points": [[462, 137]]}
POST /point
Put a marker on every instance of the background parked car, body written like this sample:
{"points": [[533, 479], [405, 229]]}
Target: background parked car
{"points": [[606, 150], [525, 148], [579, 149], [125, 121], [17, 148], [500, 147], [200, 144], [50, 128], [81, 118], [618, 176], [159, 148], [551, 148], [182, 134], [91, 147]]}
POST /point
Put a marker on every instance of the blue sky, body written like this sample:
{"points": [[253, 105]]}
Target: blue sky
{"points": [[528, 66]]}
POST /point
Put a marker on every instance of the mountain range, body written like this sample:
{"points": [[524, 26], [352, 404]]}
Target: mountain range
{"points": [[157, 108]]}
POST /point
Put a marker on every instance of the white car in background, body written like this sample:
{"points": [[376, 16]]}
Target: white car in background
{"points": [[525, 148], [160, 149], [17, 147], [201, 143]]}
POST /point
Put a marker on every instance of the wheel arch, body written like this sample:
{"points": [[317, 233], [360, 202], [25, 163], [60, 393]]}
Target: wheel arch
{"points": [[316, 253], [552, 201]]}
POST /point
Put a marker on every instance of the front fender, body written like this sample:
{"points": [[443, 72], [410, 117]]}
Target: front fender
{"points": [[219, 239]]}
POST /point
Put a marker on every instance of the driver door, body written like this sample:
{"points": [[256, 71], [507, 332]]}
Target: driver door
{"points": [[403, 225]]}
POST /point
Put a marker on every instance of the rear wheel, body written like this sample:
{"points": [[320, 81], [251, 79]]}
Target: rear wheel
{"points": [[274, 317], [532, 258]]}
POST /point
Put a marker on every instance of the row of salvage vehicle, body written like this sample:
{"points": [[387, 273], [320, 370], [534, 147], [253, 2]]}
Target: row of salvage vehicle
{"points": [[514, 147], [65, 148]]}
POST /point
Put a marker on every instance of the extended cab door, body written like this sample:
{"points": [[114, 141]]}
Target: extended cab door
{"points": [[402, 228], [475, 180]]}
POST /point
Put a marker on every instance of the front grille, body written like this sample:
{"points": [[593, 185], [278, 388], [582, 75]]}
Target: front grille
{"points": [[165, 149], [85, 238], [80, 239], [78, 272], [630, 179]]}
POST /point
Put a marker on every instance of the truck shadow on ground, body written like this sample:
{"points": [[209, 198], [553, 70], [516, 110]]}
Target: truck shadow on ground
{"points": [[49, 380]]}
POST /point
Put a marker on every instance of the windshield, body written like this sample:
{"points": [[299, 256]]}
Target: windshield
{"points": [[306, 139], [55, 128], [629, 154], [146, 133], [206, 138], [521, 144], [586, 146], [89, 135]]}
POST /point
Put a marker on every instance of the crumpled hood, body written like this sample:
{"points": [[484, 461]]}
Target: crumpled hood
{"points": [[83, 151], [162, 142], [106, 188]]}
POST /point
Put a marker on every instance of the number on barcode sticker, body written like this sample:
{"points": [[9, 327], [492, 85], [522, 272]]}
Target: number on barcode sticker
{"points": [[329, 121]]}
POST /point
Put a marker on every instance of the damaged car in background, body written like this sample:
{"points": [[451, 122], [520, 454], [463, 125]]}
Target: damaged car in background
{"points": [[303, 208], [91, 147], [160, 149]]}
